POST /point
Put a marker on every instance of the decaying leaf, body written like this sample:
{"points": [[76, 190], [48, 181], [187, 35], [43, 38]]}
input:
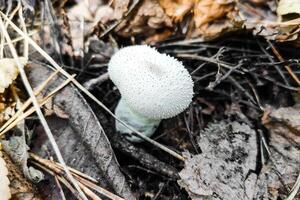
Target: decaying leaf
{"points": [[17, 149], [207, 11], [9, 71], [290, 116], [224, 168], [83, 17], [149, 17], [80, 137], [177, 9], [20, 187], [4, 181], [120, 8], [279, 175]]}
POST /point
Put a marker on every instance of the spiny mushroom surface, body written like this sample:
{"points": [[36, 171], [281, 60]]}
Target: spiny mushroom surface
{"points": [[154, 86]]}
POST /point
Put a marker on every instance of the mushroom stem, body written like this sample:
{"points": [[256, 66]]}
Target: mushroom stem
{"points": [[140, 123]]}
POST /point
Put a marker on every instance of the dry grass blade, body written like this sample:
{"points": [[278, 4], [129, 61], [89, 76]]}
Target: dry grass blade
{"points": [[81, 177], [294, 190], [26, 44], [6, 24], [61, 179], [85, 91], [31, 110], [27, 103], [37, 108]]}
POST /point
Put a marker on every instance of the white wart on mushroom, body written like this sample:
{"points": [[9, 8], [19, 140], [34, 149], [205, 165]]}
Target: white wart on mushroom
{"points": [[153, 87]]}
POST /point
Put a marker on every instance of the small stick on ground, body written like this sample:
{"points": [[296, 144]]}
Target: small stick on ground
{"points": [[82, 178], [92, 83], [280, 58]]}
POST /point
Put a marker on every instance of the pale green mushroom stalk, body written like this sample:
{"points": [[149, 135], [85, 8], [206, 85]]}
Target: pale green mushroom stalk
{"points": [[153, 87]]}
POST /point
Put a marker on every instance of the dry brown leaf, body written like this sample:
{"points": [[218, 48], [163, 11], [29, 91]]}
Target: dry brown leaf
{"points": [[83, 17], [177, 9], [207, 11], [158, 37], [4, 181], [120, 8], [149, 17]]}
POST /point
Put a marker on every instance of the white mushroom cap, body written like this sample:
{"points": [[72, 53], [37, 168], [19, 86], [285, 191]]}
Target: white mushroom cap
{"points": [[154, 85]]}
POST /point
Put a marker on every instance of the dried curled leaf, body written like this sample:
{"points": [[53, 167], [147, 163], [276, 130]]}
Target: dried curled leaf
{"points": [[149, 17], [176, 9], [9, 71], [207, 11], [4, 181]]}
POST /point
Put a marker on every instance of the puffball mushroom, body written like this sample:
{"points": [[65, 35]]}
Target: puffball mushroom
{"points": [[153, 87]]}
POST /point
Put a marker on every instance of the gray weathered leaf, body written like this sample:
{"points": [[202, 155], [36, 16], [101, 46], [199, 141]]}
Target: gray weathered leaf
{"points": [[17, 149], [223, 170], [81, 137]]}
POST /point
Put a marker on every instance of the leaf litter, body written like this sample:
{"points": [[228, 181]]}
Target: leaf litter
{"points": [[240, 70]]}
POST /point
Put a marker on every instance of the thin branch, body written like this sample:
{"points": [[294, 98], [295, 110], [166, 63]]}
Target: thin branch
{"points": [[81, 177], [288, 68]]}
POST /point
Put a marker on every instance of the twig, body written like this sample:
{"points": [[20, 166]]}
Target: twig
{"points": [[210, 60], [61, 192], [146, 159], [90, 84], [273, 63], [83, 178], [212, 85], [85, 91], [280, 58], [60, 178], [112, 27]]}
